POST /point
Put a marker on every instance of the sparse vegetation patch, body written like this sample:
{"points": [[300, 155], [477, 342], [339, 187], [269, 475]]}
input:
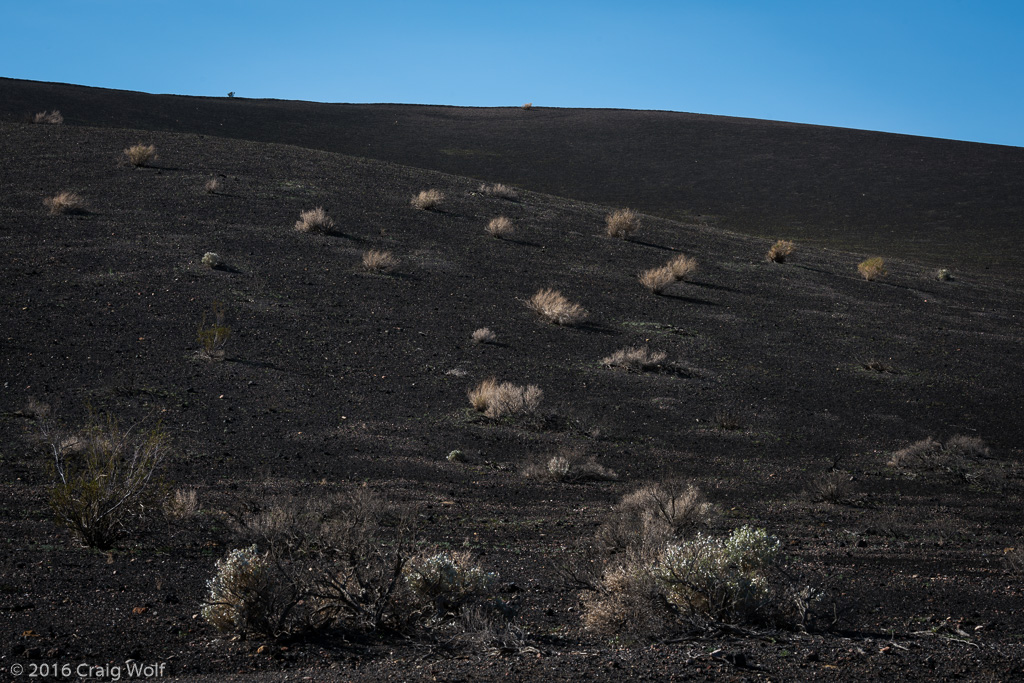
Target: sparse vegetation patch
{"points": [[553, 307], [499, 190], [635, 359], [141, 155], [872, 268], [315, 220], [499, 227], [622, 223], [683, 267], [496, 400], [66, 203], [484, 335], [657, 280], [379, 261], [427, 199], [780, 251], [53, 118]]}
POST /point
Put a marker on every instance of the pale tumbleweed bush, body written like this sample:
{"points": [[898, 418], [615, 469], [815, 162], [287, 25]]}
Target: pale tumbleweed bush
{"points": [[683, 267], [212, 186], [496, 400], [780, 251], [484, 335], [65, 203], [54, 118], [141, 155], [211, 260], [499, 227], [427, 199], [315, 220], [635, 359], [528, 106], [657, 280], [499, 190], [379, 261], [550, 305], [872, 268], [943, 274], [622, 223]]}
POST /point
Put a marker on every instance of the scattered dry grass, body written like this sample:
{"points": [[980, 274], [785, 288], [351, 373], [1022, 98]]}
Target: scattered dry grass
{"points": [[831, 487], [930, 455], [556, 309], [872, 268], [184, 504], [140, 155], [780, 251], [212, 186], [499, 190], [683, 267], [65, 203], [496, 400], [379, 261], [484, 335], [427, 199], [53, 118], [635, 359], [622, 223], [499, 227], [657, 280], [315, 220]]}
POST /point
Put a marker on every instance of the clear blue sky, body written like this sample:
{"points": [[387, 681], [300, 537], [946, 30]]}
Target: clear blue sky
{"points": [[941, 68]]}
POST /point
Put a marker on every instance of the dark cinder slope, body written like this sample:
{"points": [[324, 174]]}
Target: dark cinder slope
{"points": [[940, 202]]}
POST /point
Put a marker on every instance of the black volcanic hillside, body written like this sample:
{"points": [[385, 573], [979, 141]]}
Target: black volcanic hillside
{"points": [[780, 380], [941, 202]]}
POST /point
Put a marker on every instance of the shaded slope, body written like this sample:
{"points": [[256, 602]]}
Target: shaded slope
{"points": [[943, 202], [336, 377]]}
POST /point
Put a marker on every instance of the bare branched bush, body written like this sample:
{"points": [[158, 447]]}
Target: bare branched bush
{"points": [[499, 227], [315, 220], [53, 118], [379, 261], [872, 268], [141, 155], [66, 203], [212, 186], [484, 335], [635, 359], [657, 280], [496, 400], [553, 307], [780, 251], [182, 505], [500, 191], [332, 562], [622, 223], [103, 478], [654, 514], [683, 267], [427, 199]]}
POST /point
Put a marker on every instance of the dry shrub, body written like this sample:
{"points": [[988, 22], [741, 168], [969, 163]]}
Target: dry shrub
{"points": [[831, 487], [212, 186], [327, 562], [379, 261], [66, 203], [555, 308], [872, 268], [622, 223], [427, 199], [657, 280], [496, 400], [484, 335], [683, 267], [653, 514], [103, 478], [929, 455], [213, 336], [635, 359], [943, 274], [627, 603], [448, 581], [500, 191], [528, 106], [780, 251], [568, 466], [499, 227], [141, 155], [184, 504], [315, 220], [53, 118], [212, 260]]}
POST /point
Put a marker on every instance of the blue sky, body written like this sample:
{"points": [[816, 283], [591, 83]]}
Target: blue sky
{"points": [[951, 69]]}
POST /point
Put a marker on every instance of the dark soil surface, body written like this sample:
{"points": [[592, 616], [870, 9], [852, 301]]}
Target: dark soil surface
{"points": [[937, 202], [337, 378]]}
